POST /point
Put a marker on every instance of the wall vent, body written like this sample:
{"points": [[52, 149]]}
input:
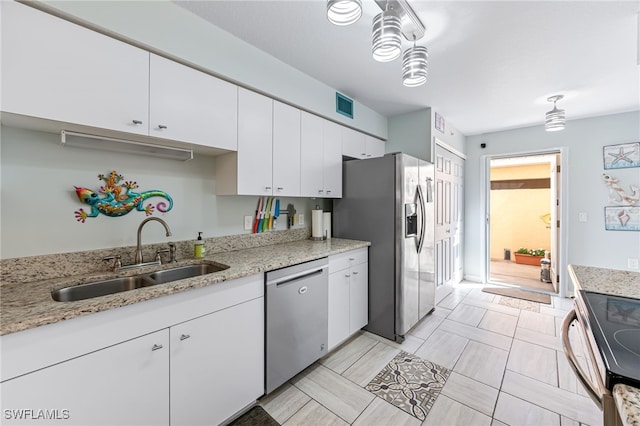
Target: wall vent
{"points": [[344, 105]]}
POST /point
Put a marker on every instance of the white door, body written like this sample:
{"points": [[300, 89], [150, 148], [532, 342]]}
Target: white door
{"points": [[449, 222], [554, 174]]}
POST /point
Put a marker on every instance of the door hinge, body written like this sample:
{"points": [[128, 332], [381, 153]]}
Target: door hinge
{"points": [[558, 168], [558, 224]]}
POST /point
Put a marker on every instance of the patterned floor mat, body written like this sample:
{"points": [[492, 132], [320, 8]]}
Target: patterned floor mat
{"points": [[410, 383]]}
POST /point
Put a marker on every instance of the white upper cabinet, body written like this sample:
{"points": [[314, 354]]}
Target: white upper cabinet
{"points": [[332, 159], [61, 71], [191, 106], [286, 150], [311, 156], [374, 147], [361, 146]]}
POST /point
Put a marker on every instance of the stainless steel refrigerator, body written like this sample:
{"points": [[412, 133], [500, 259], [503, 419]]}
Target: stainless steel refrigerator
{"points": [[389, 201]]}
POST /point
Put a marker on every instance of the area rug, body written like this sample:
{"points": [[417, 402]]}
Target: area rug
{"points": [[519, 294], [410, 383], [255, 417]]}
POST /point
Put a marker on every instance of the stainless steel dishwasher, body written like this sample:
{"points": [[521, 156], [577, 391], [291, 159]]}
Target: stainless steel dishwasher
{"points": [[296, 319]]}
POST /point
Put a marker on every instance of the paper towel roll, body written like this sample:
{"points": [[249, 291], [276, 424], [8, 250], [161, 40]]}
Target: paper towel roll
{"points": [[317, 230], [326, 224]]}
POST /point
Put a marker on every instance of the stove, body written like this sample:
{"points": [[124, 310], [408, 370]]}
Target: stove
{"points": [[614, 323]]}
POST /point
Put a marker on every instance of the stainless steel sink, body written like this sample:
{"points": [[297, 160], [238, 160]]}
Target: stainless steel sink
{"points": [[117, 285], [99, 288], [168, 275]]}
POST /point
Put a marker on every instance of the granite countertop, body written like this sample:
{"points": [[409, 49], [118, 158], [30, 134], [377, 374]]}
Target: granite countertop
{"points": [[618, 283], [25, 305]]}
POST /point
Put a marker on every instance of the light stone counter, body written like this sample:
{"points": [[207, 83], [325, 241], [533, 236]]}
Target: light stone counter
{"points": [[618, 283], [25, 305]]}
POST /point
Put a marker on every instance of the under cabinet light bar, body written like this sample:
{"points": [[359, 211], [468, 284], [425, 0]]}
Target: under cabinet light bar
{"points": [[84, 140]]}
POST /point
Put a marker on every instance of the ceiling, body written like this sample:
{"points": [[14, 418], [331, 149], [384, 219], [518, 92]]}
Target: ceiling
{"points": [[492, 64]]}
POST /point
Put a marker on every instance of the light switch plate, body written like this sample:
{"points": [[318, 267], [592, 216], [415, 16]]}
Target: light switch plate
{"points": [[300, 219], [247, 223], [632, 263], [582, 217]]}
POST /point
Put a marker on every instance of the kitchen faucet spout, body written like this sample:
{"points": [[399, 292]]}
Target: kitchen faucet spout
{"points": [[138, 256]]}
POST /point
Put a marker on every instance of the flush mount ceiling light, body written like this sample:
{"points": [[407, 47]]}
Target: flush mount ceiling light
{"points": [[554, 119], [344, 12], [84, 140], [386, 41], [414, 66]]}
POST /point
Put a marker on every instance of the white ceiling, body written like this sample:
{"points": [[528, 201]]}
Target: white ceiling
{"points": [[492, 64]]}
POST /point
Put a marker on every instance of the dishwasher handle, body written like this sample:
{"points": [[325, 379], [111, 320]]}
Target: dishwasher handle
{"points": [[296, 277]]}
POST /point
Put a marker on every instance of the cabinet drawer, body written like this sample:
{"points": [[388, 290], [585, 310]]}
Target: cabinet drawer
{"points": [[338, 262]]}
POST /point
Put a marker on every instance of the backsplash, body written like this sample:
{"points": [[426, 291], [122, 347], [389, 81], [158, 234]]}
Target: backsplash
{"points": [[28, 269]]}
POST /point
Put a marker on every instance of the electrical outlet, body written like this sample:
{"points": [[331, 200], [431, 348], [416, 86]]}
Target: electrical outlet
{"points": [[248, 223], [300, 219], [632, 263], [582, 217]]}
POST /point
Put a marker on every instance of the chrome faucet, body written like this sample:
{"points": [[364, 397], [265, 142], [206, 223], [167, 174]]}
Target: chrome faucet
{"points": [[138, 256]]}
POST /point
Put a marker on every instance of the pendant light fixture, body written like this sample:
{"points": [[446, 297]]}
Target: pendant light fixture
{"points": [[414, 65], [554, 119], [386, 36], [344, 12]]}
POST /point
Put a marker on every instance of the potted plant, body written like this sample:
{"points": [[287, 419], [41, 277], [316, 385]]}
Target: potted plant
{"points": [[529, 256]]}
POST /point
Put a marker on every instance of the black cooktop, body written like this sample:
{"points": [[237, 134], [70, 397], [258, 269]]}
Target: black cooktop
{"points": [[615, 324]]}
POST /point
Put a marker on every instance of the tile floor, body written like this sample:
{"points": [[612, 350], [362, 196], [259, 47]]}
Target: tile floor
{"points": [[487, 364]]}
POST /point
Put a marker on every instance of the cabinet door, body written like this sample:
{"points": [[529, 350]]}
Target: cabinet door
{"points": [[353, 143], [311, 156], [57, 70], [191, 106], [374, 147], [358, 297], [286, 150], [338, 307], [217, 364], [123, 384], [255, 126], [332, 138]]}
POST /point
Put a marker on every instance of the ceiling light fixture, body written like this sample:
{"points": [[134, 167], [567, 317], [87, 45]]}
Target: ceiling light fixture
{"points": [[344, 12], [414, 66], [386, 41], [554, 119]]}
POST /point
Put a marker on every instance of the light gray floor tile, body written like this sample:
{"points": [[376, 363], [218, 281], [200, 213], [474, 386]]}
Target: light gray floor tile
{"points": [[483, 363], [467, 314], [515, 411], [380, 412], [366, 368], [345, 356], [562, 303], [547, 310], [540, 323], [567, 379], [534, 361], [450, 301], [471, 393], [558, 400], [284, 402], [546, 340], [566, 421], [499, 323], [314, 414], [446, 411], [441, 312], [493, 306], [478, 294], [477, 334], [426, 326], [333, 391], [442, 348], [411, 343], [495, 422]]}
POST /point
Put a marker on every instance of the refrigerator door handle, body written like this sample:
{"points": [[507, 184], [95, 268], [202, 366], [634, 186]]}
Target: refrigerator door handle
{"points": [[429, 190], [423, 218]]}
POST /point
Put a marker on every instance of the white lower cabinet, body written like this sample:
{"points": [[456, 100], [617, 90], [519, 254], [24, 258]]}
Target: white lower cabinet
{"points": [[125, 384], [348, 295], [217, 366]]}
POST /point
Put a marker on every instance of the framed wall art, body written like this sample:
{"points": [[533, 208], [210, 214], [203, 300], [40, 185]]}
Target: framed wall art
{"points": [[621, 156], [622, 218]]}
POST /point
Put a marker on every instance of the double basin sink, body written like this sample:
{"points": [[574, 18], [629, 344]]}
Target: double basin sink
{"points": [[117, 285]]}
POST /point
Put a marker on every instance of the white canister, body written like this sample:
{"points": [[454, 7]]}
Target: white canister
{"points": [[326, 224], [317, 229]]}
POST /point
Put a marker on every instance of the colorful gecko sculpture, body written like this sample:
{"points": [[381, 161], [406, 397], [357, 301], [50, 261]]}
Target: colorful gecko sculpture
{"points": [[116, 202]]}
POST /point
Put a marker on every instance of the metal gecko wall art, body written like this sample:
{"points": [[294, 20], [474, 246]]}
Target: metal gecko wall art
{"points": [[119, 199]]}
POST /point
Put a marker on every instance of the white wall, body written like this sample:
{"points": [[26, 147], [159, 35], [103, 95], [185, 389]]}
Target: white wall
{"points": [[162, 25], [587, 243], [38, 199]]}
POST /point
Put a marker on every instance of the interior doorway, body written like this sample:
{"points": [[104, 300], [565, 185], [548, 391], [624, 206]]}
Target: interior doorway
{"points": [[523, 226]]}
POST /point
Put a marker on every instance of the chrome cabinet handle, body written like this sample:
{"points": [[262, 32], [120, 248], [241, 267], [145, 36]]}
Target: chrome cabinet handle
{"points": [[155, 347], [320, 191], [354, 273], [184, 336], [267, 188], [328, 191], [137, 122], [280, 188], [347, 275], [161, 126]]}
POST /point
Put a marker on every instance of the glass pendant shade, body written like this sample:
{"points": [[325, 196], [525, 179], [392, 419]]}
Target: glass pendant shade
{"points": [[414, 66], [344, 12], [554, 119], [386, 36]]}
